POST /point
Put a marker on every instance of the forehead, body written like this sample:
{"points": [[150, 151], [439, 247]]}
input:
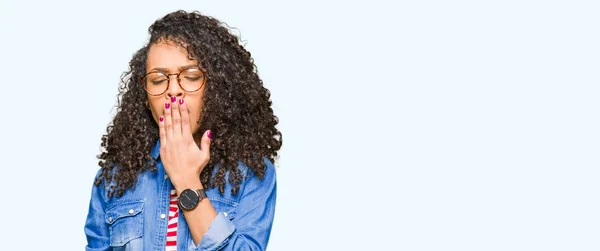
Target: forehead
{"points": [[167, 55]]}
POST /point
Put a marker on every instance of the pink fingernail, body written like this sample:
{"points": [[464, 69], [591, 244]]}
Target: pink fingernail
{"points": [[167, 105], [161, 118], [173, 98], [181, 101], [209, 134]]}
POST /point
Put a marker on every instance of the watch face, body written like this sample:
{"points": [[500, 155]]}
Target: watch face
{"points": [[188, 199]]}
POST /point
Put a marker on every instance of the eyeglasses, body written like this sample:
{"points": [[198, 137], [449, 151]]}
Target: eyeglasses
{"points": [[156, 83]]}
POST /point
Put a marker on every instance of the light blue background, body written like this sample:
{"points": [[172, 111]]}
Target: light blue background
{"points": [[415, 125]]}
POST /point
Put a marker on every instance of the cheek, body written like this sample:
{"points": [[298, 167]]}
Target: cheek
{"points": [[194, 106], [194, 115]]}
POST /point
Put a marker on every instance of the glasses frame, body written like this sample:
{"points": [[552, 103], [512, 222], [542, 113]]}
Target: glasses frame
{"points": [[169, 80]]}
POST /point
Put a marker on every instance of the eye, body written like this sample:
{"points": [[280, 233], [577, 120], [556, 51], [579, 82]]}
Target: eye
{"points": [[158, 81], [193, 78], [192, 74]]}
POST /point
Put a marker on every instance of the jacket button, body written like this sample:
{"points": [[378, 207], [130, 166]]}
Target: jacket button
{"points": [[166, 176], [130, 211], [162, 216], [109, 219]]}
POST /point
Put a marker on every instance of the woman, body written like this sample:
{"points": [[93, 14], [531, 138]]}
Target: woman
{"points": [[187, 163]]}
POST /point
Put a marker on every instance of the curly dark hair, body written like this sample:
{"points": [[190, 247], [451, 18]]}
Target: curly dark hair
{"points": [[237, 108]]}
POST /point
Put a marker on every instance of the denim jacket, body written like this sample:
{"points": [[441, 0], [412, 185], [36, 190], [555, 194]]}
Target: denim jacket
{"points": [[138, 219]]}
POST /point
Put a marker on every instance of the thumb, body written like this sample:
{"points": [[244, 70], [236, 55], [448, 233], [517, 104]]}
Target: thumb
{"points": [[205, 142]]}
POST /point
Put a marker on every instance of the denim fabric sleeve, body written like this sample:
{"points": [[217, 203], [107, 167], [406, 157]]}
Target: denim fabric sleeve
{"points": [[96, 230], [251, 227]]}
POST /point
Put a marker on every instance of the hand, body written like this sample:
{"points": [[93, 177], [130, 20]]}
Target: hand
{"points": [[181, 157]]}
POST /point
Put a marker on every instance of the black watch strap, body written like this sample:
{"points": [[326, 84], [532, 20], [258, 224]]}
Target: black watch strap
{"points": [[201, 194]]}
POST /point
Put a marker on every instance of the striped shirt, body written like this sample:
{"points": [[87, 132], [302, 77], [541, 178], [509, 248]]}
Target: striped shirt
{"points": [[172, 229]]}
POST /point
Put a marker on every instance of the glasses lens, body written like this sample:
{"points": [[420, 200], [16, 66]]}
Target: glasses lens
{"points": [[191, 79], [156, 83]]}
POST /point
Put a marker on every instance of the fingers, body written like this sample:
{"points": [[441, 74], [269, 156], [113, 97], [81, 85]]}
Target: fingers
{"points": [[186, 129], [205, 143], [162, 131], [176, 118], [168, 121]]}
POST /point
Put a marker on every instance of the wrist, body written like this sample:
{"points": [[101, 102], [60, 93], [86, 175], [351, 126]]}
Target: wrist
{"points": [[193, 184]]}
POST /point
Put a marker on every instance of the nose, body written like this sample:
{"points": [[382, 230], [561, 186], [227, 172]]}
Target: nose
{"points": [[174, 87]]}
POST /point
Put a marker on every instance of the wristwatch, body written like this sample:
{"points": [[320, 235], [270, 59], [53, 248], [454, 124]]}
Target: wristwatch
{"points": [[189, 198]]}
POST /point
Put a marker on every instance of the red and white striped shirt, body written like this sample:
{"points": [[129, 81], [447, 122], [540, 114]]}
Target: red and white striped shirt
{"points": [[172, 228]]}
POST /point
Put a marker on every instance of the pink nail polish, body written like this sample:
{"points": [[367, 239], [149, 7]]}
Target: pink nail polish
{"points": [[173, 98], [181, 101], [161, 118], [167, 105], [209, 134]]}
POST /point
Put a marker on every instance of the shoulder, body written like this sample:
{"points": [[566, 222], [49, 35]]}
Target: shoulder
{"points": [[102, 188], [255, 186], [99, 192], [249, 175], [104, 183]]}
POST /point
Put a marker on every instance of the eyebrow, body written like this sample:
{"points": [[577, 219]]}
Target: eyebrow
{"points": [[180, 68]]}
